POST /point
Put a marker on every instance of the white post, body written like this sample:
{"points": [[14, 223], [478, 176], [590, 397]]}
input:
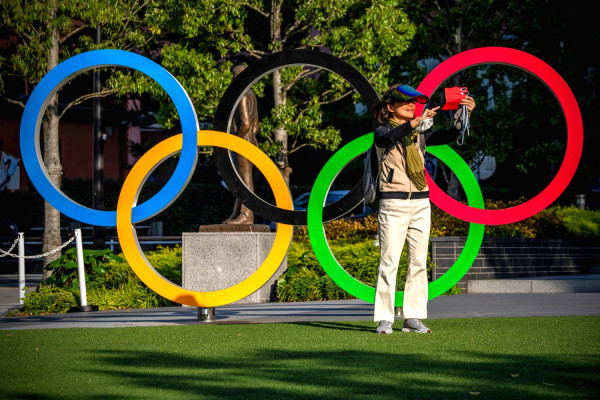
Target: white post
{"points": [[21, 268], [80, 270]]}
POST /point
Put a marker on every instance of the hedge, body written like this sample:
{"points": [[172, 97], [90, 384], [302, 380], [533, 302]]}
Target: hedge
{"points": [[305, 279], [553, 222], [113, 286]]}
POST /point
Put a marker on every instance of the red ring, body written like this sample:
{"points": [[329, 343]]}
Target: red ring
{"points": [[568, 104]]}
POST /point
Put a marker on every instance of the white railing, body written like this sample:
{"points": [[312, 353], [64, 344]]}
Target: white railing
{"points": [[20, 241]]}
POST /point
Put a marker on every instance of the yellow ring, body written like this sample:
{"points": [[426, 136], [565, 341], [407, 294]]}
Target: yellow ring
{"points": [[128, 236]]}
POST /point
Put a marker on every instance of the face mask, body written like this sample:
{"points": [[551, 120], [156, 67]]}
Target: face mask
{"points": [[424, 125]]}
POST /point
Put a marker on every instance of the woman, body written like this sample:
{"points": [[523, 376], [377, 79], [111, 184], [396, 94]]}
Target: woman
{"points": [[404, 211]]}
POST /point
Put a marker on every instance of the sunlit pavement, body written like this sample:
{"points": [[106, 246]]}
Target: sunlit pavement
{"points": [[457, 306]]}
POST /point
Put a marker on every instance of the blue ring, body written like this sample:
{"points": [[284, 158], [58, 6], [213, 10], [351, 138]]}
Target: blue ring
{"points": [[53, 81]]}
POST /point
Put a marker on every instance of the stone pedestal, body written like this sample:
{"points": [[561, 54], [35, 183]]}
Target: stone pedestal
{"points": [[220, 256]]}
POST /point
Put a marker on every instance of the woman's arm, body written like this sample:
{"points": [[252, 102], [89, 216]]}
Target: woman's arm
{"points": [[384, 136], [445, 136], [441, 136]]}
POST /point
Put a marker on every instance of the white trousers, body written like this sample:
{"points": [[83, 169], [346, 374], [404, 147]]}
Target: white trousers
{"points": [[400, 221]]}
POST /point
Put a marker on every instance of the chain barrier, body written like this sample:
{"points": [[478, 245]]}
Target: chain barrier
{"points": [[8, 252]]}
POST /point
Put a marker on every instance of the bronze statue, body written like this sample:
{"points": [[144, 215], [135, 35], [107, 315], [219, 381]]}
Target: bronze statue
{"points": [[245, 125]]}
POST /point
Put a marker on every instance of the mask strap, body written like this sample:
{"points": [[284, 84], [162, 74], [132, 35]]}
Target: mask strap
{"points": [[465, 125]]}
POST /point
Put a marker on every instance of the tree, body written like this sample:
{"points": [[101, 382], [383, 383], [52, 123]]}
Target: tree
{"points": [[198, 42], [518, 121], [47, 32], [366, 34], [446, 28]]}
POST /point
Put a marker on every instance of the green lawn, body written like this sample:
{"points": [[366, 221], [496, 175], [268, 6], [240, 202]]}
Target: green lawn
{"points": [[504, 358]]}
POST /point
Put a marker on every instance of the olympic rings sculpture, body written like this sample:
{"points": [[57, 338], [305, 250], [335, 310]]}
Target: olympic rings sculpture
{"points": [[128, 212]]}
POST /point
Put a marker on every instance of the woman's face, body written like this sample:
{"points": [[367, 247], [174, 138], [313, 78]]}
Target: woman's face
{"points": [[403, 112]]}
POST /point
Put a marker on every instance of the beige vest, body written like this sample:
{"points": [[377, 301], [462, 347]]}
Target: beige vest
{"points": [[393, 177]]}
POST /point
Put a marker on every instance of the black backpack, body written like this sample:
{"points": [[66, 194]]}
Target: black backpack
{"points": [[372, 165]]}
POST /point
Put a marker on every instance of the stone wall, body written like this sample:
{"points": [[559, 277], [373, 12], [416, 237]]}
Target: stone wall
{"points": [[504, 258]]}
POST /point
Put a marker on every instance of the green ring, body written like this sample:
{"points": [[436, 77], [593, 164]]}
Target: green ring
{"points": [[316, 230]]}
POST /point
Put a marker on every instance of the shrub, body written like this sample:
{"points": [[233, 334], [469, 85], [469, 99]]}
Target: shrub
{"points": [[305, 279], [129, 294], [350, 241], [110, 282], [552, 222], [444, 224], [580, 223], [123, 289], [64, 269], [167, 261], [345, 228], [308, 285], [118, 273], [47, 300]]}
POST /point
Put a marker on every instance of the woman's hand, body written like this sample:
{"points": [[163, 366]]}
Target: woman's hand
{"points": [[427, 113], [469, 102]]}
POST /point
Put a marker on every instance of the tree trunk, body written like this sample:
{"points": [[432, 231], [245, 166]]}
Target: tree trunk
{"points": [[52, 237], [279, 95]]}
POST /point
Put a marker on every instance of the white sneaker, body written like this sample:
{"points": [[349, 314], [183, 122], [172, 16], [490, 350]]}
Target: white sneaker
{"points": [[384, 327], [414, 325]]}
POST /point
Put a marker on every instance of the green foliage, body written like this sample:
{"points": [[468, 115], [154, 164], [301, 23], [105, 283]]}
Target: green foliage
{"points": [[125, 25], [48, 300], [350, 229], [201, 38], [309, 285], [300, 123], [580, 223], [351, 244], [39, 34], [452, 291], [167, 261], [123, 289], [207, 37], [64, 269], [553, 222], [110, 282], [131, 293], [305, 279], [198, 72], [366, 34], [517, 119]]}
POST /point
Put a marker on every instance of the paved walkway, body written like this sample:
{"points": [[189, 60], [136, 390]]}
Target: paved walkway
{"points": [[9, 290], [458, 306]]}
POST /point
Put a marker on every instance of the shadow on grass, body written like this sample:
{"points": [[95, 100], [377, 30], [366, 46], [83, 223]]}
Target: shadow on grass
{"points": [[492, 359], [286, 374], [342, 326]]}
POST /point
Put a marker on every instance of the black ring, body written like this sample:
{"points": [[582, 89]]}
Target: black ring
{"points": [[224, 115]]}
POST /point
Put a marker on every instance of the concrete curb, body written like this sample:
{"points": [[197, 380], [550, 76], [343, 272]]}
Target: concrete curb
{"points": [[574, 284]]}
